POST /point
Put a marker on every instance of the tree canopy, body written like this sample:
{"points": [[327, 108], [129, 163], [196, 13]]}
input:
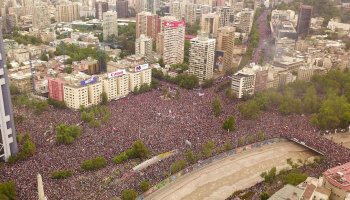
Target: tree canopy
{"points": [[66, 134], [326, 97]]}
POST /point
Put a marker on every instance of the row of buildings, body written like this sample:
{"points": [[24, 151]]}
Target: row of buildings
{"points": [[80, 89]]}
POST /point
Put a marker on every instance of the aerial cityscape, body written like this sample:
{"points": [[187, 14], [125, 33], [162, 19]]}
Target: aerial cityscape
{"points": [[175, 99]]}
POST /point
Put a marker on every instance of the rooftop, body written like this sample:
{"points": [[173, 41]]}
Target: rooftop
{"points": [[339, 176], [287, 192]]}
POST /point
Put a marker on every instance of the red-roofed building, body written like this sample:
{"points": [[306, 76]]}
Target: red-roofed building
{"points": [[189, 37], [55, 89], [337, 179]]}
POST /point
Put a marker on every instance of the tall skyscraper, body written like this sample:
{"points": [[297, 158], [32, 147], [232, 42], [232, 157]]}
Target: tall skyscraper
{"points": [[67, 12], [147, 24], [8, 142], [175, 9], [210, 24], [143, 46], [110, 24], [170, 43], [40, 17], [190, 13], [100, 8], [122, 8], [225, 42], [202, 53], [304, 20]]}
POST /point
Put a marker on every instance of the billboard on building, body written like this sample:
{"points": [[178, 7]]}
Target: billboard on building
{"points": [[141, 67], [174, 24], [219, 60], [116, 73], [89, 81]]}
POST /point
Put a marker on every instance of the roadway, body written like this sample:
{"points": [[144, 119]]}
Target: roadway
{"points": [[220, 179]]}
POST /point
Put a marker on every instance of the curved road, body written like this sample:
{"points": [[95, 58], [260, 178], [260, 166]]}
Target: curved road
{"points": [[220, 179]]}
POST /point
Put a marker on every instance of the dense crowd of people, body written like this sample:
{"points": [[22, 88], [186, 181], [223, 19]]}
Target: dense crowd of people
{"points": [[163, 124], [263, 49]]}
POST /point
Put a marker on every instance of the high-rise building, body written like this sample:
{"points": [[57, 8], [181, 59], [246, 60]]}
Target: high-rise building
{"points": [[117, 85], [218, 3], [67, 12], [190, 13], [8, 142], [27, 3], [304, 20], [100, 8], [110, 24], [201, 60], [227, 16], [170, 43], [55, 89], [225, 42], [175, 9], [140, 6], [210, 24], [246, 21], [147, 24], [243, 84], [122, 8], [40, 17], [143, 46], [153, 6]]}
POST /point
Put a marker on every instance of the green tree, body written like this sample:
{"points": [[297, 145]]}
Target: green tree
{"points": [[295, 178], [264, 196], [8, 190], [157, 73], [68, 69], [207, 83], [28, 148], [190, 158], [161, 62], [94, 164], [228, 146], [177, 166], [56, 104], [8, 65], [61, 174], [249, 109], [229, 124], [270, 175], [207, 149], [216, 106], [44, 57], [193, 29], [120, 158], [129, 194], [144, 185], [140, 149], [334, 113], [104, 98], [187, 81], [311, 104], [66, 134]]}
